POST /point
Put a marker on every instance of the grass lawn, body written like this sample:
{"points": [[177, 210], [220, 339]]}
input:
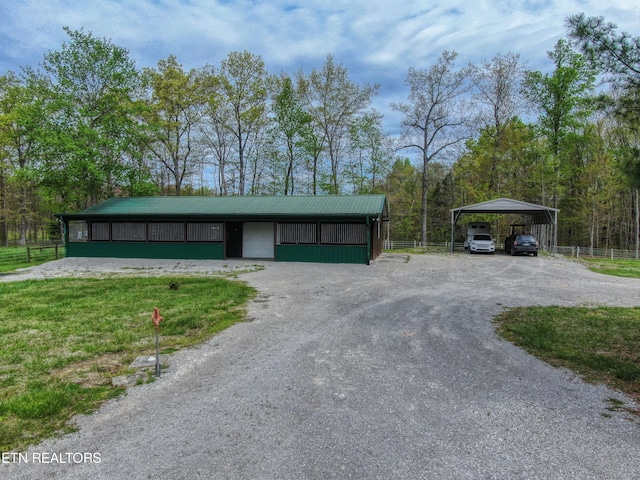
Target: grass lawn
{"points": [[12, 258], [629, 268], [62, 340], [428, 250], [601, 344]]}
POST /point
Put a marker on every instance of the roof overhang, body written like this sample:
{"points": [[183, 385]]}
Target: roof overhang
{"points": [[239, 208], [539, 214]]}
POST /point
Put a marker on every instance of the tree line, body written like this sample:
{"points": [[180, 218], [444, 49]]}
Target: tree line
{"points": [[86, 125]]}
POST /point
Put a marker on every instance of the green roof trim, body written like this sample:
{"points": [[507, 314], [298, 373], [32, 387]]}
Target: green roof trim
{"points": [[239, 206]]}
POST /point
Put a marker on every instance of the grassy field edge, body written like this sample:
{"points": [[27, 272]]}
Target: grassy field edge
{"points": [[62, 341]]}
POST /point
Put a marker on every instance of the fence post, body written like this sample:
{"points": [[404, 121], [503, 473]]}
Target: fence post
{"points": [[28, 254], [578, 251]]}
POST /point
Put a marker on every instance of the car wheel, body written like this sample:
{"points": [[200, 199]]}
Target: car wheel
{"points": [[535, 254], [512, 252]]}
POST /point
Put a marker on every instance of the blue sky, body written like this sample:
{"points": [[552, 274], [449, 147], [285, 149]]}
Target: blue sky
{"points": [[377, 41]]}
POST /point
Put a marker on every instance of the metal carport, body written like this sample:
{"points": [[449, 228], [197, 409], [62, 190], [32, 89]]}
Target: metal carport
{"points": [[545, 218]]}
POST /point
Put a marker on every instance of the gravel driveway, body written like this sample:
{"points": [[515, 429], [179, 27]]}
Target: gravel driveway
{"points": [[387, 371]]}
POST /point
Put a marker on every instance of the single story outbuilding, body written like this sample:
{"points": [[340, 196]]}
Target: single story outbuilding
{"points": [[314, 228]]}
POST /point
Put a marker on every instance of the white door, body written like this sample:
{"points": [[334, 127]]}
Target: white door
{"points": [[258, 240]]}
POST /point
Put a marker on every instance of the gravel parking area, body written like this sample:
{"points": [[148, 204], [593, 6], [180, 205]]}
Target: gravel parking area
{"points": [[387, 371]]}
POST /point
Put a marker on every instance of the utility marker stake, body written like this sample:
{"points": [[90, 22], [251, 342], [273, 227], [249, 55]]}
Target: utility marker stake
{"points": [[156, 319]]}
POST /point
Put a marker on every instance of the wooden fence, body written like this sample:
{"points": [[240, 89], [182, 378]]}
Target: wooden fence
{"points": [[24, 255]]}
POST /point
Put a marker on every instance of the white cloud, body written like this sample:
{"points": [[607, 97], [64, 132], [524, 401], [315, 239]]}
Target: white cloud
{"points": [[377, 40]]}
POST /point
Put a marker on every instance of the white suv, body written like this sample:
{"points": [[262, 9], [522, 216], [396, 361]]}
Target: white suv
{"points": [[482, 243]]}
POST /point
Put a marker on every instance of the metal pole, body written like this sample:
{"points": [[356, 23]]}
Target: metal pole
{"points": [[555, 232], [157, 353], [453, 234]]}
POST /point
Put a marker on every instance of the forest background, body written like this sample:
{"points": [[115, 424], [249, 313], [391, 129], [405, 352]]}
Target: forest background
{"points": [[86, 125]]}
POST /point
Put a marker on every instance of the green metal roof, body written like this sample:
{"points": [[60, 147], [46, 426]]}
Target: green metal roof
{"points": [[240, 206]]}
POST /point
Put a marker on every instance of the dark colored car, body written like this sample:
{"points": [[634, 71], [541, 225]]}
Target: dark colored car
{"points": [[524, 243], [516, 229]]}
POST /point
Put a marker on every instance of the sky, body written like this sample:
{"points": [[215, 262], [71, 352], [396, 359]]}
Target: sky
{"points": [[377, 41]]}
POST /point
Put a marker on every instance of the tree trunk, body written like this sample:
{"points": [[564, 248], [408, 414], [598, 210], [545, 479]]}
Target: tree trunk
{"points": [[637, 212], [3, 218], [423, 213], [23, 218]]}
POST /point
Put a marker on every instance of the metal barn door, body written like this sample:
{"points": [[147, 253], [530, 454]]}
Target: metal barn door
{"points": [[258, 240]]}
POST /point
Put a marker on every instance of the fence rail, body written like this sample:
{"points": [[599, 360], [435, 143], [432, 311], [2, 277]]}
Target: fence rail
{"points": [[37, 252], [573, 251], [30, 254], [611, 253], [403, 244]]}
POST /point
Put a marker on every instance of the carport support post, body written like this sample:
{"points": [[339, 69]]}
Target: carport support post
{"points": [[555, 232], [453, 230]]}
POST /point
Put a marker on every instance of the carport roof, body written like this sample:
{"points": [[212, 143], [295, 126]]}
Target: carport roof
{"points": [[540, 214], [240, 206]]}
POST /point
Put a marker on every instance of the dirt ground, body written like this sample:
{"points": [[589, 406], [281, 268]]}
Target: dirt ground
{"points": [[391, 370]]}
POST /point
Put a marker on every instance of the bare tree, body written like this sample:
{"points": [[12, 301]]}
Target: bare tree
{"points": [[217, 139], [434, 119], [334, 102], [245, 88], [498, 91]]}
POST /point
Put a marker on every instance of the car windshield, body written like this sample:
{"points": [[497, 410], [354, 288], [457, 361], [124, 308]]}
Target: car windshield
{"points": [[482, 236], [526, 238]]}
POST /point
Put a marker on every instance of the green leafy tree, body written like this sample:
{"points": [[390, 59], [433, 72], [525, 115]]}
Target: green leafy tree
{"points": [[615, 53], [217, 140], [625, 145], [20, 117], [371, 153], [497, 90], [175, 107], [516, 162], [312, 145], [564, 102], [91, 88], [291, 123], [403, 193], [601, 182]]}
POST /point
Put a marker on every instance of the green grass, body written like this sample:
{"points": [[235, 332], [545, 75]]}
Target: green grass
{"points": [[601, 344], [629, 268], [428, 250], [62, 340], [13, 258]]}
